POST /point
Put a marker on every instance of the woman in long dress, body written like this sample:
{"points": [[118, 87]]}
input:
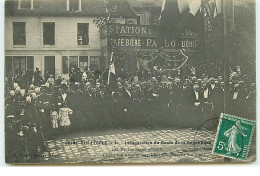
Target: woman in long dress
{"points": [[232, 134]]}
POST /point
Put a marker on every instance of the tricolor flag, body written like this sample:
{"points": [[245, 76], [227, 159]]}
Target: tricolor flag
{"points": [[195, 6], [170, 19], [176, 15], [218, 8], [111, 69]]}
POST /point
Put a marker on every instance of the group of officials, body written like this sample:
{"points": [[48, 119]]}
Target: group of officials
{"points": [[38, 110]]}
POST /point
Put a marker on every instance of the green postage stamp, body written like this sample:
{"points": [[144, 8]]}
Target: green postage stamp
{"points": [[233, 137]]}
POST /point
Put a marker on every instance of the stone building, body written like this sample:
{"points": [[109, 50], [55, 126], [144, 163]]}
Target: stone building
{"points": [[56, 35]]}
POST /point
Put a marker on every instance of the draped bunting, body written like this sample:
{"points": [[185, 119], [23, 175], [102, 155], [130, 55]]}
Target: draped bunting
{"points": [[179, 59]]}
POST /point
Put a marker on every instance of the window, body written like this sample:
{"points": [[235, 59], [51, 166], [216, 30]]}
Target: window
{"points": [[94, 63], [17, 64], [25, 4], [69, 62], [129, 21], [48, 33], [83, 38], [83, 63], [8, 65], [19, 37], [73, 62], [73, 5]]}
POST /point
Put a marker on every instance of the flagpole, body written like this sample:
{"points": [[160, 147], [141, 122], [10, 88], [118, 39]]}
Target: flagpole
{"points": [[163, 6], [109, 71], [227, 27], [226, 39], [225, 57]]}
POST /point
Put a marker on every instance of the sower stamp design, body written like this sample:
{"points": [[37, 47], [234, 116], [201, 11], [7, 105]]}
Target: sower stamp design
{"points": [[233, 137]]}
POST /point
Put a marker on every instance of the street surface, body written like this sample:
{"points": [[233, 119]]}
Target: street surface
{"points": [[156, 146]]}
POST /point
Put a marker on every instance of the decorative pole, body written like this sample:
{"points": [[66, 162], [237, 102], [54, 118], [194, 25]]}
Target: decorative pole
{"points": [[227, 27]]}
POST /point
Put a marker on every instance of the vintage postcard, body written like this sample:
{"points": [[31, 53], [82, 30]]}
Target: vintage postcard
{"points": [[130, 81]]}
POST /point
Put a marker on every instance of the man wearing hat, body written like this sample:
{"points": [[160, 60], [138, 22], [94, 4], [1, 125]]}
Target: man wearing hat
{"points": [[194, 107], [11, 126], [138, 97], [59, 80], [176, 93], [45, 100], [218, 100], [164, 99], [63, 95], [151, 102], [50, 80], [73, 75], [237, 99], [35, 141], [37, 77], [75, 101]]}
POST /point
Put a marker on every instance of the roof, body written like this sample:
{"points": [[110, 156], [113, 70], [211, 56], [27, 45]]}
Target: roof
{"points": [[154, 6], [59, 8], [123, 8]]}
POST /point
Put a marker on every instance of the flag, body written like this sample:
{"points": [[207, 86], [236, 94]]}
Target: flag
{"points": [[194, 18], [111, 69], [183, 5], [218, 8], [171, 19], [177, 15], [194, 7], [210, 7], [207, 19], [217, 21]]}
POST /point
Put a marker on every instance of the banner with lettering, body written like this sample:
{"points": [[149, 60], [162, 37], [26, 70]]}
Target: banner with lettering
{"points": [[146, 37]]}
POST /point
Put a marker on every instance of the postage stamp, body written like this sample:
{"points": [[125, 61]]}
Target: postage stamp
{"points": [[233, 137]]}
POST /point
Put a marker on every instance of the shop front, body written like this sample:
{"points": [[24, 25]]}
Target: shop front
{"points": [[138, 47]]}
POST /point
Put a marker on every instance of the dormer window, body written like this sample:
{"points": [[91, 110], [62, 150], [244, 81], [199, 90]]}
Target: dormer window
{"points": [[73, 5], [25, 4]]}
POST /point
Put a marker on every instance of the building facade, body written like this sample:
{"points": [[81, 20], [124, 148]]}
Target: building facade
{"points": [[55, 36]]}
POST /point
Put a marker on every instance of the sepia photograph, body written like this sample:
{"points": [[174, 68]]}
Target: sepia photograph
{"points": [[129, 81]]}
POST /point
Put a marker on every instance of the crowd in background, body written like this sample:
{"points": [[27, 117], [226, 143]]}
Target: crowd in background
{"points": [[39, 107]]}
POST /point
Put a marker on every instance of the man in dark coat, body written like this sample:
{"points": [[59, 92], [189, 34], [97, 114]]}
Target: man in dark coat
{"points": [[237, 100], [58, 81], [218, 101], [45, 102], [127, 105], [138, 97], [29, 76], [195, 107], [164, 103]]}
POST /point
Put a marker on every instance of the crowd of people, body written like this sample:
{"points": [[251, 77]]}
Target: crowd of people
{"points": [[37, 108]]}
